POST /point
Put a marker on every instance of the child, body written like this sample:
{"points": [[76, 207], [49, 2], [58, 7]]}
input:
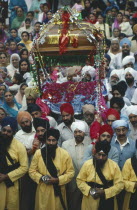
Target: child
{"points": [[78, 6], [125, 26]]}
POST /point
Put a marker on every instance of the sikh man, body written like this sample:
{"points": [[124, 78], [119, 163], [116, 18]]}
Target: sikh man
{"points": [[88, 113], [129, 173], [124, 145], [105, 134], [13, 165], [51, 168], [67, 113], [100, 180], [41, 126], [76, 148], [132, 115]]}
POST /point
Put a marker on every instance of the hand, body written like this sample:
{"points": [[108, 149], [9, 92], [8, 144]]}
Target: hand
{"points": [[99, 193], [53, 180], [36, 143], [3, 177]]}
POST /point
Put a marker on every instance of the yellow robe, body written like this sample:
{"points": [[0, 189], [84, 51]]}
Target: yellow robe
{"points": [[111, 171], [129, 178], [45, 198], [9, 197]]}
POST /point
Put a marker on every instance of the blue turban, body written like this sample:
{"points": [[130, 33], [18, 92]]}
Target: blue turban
{"points": [[119, 123], [125, 41], [107, 57], [9, 121]]}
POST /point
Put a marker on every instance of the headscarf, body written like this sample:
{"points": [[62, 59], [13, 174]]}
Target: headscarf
{"points": [[125, 41], [88, 69], [119, 123], [29, 91], [128, 59], [38, 122], [78, 125], [67, 107], [114, 112], [131, 71], [53, 132], [131, 110], [23, 114], [11, 69], [9, 121], [106, 128], [102, 146], [117, 72], [107, 57], [88, 107]]}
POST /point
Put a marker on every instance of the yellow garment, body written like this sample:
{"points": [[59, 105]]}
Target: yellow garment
{"points": [[9, 197], [28, 44], [111, 171], [45, 198], [129, 178]]}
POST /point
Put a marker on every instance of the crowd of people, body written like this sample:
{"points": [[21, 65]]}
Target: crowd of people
{"points": [[68, 161]]}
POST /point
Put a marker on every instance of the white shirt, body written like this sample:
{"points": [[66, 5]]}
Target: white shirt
{"points": [[122, 145], [26, 138]]}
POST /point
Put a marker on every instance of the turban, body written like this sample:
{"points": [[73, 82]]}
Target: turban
{"points": [[78, 125], [9, 121], [88, 69], [68, 108], [119, 101], [106, 128], [134, 27], [73, 70], [38, 122], [132, 110], [121, 87], [117, 72], [23, 114], [31, 92], [119, 123], [103, 146], [125, 41], [33, 108], [115, 39], [113, 112], [88, 107], [131, 71], [128, 59], [52, 132]]}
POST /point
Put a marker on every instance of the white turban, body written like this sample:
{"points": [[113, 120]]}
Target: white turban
{"points": [[88, 69], [131, 110], [119, 123], [117, 72], [131, 71], [128, 59], [78, 125], [88, 107]]}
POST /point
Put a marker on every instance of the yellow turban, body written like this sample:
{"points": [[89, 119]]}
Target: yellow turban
{"points": [[29, 91], [23, 114]]}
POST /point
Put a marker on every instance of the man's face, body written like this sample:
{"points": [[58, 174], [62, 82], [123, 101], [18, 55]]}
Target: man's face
{"points": [[30, 16], [105, 136], [114, 80], [26, 125], [116, 107], [129, 78], [6, 136], [125, 49], [67, 118], [116, 32], [133, 120], [100, 158], [36, 114], [116, 94], [114, 12], [37, 27], [115, 45], [88, 117], [121, 133], [27, 24], [130, 64], [51, 141], [40, 133], [30, 100], [79, 135], [111, 118]]}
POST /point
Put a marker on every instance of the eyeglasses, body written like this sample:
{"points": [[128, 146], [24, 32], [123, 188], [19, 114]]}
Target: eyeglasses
{"points": [[6, 130]]}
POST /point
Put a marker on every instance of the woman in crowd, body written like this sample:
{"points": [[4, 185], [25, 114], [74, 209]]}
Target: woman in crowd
{"points": [[10, 105], [24, 69], [17, 21], [14, 35], [3, 59], [20, 93], [103, 26], [3, 89], [13, 67], [118, 21]]}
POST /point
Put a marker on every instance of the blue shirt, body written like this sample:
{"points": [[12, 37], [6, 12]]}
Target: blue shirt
{"points": [[127, 152]]}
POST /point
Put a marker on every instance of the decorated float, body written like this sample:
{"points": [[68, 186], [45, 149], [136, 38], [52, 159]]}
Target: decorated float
{"points": [[66, 41]]}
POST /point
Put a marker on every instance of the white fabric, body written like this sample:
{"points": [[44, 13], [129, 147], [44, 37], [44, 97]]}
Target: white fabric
{"points": [[88, 69], [134, 98], [128, 59], [10, 68], [78, 125], [132, 110], [117, 72], [131, 71]]}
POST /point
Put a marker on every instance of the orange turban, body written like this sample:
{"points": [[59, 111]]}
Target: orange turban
{"points": [[23, 114]]}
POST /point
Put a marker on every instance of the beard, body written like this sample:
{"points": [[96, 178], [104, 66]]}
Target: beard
{"points": [[5, 141], [68, 122], [129, 81], [27, 128], [125, 53], [99, 162], [113, 82], [51, 150], [79, 139], [134, 123]]}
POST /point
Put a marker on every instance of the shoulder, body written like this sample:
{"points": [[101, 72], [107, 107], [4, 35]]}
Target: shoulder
{"points": [[112, 163], [60, 126], [68, 142], [16, 144], [88, 163], [63, 152]]}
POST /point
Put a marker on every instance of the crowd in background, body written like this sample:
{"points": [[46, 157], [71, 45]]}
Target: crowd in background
{"points": [[26, 120]]}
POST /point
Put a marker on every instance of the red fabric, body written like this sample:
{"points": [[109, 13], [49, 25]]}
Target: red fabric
{"points": [[106, 128], [113, 112], [68, 108], [94, 130]]}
